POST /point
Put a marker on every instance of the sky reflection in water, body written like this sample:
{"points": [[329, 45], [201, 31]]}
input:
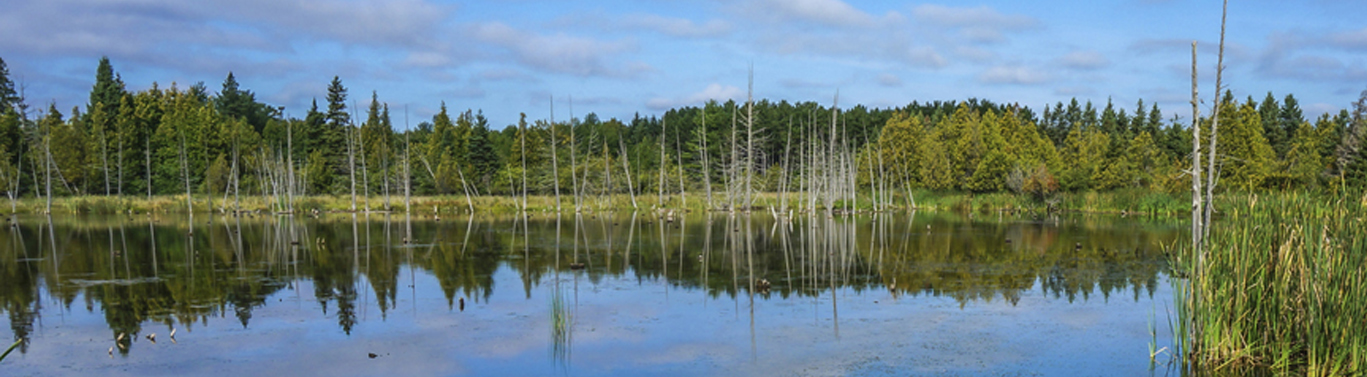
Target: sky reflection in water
{"points": [[892, 294]]}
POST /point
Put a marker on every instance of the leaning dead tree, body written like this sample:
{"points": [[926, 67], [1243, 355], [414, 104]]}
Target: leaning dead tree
{"points": [[626, 168], [1211, 172]]}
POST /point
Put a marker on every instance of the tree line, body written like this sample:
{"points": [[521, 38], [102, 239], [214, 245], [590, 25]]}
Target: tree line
{"points": [[225, 144]]}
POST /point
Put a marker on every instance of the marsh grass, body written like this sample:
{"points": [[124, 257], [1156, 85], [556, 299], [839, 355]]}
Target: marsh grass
{"points": [[1284, 287], [1127, 201], [562, 327]]}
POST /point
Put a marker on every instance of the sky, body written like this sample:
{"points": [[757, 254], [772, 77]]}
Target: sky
{"points": [[621, 58]]}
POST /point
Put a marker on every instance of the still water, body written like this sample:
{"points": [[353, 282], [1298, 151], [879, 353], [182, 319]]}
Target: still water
{"points": [[591, 294]]}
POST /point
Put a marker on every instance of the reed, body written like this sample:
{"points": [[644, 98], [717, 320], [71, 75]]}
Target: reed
{"points": [[562, 323], [1284, 287], [11, 349]]}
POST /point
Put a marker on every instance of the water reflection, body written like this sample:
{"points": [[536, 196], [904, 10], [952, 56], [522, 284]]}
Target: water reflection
{"points": [[174, 274]]}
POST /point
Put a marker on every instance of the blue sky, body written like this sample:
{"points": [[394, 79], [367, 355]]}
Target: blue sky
{"points": [[618, 58]]}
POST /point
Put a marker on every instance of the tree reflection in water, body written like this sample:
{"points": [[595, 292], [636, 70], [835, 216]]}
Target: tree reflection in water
{"points": [[137, 270]]}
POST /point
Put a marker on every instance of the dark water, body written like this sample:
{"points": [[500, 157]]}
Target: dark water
{"points": [[622, 294]]}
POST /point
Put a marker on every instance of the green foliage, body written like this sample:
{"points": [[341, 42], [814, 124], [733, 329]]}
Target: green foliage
{"points": [[133, 140], [1245, 158], [9, 99], [1085, 152]]}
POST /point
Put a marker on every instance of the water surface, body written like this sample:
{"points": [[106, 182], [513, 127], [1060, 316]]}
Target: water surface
{"points": [[592, 294]]}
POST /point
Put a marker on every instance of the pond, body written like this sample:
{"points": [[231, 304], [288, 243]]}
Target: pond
{"points": [[592, 294]]}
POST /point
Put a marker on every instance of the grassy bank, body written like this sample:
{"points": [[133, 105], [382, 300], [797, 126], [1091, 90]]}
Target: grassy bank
{"points": [[1130, 202], [1283, 286]]}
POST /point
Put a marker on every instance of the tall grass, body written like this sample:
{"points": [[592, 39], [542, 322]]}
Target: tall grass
{"points": [[1283, 286]]}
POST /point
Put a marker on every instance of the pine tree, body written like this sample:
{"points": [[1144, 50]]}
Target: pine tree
{"points": [[9, 99], [1270, 114], [333, 138]]}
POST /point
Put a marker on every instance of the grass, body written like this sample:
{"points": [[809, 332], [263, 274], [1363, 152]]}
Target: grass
{"points": [[11, 349], [1125, 201], [561, 326], [1283, 287]]}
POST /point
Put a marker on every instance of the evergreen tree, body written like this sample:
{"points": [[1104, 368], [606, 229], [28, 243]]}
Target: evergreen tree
{"points": [[235, 103], [1291, 116], [333, 138], [9, 99], [1270, 112], [482, 154], [1351, 156]]}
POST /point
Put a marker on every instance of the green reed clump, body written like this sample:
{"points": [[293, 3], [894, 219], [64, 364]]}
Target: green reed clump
{"points": [[562, 323], [1283, 286]]}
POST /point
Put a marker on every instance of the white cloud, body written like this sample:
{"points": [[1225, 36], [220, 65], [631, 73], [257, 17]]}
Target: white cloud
{"points": [[1074, 91], [980, 24], [678, 27], [1349, 40], [711, 92], [1013, 74], [558, 53], [889, 80], [824, 12], [1084, 60]]}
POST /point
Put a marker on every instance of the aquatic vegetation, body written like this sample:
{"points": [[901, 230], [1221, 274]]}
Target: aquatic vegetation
{"points": [[562, 326], [11, 349], [1284, 286]]}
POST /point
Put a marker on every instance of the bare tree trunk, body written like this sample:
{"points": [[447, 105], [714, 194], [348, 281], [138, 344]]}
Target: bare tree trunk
{"points": [[289, 156], [47, 167], [678, 156], [522, 128], [1196, 201], [783, 184], [104, 159], [1215, 125], [574, 168], [731, 170], [607, 171], [365, 170], [147, 151], [407, 175], [384, 169], [555, 160], [119, 187], [185, 172], [469, 204], [830, 171], [706, 176], [664, 124], [351, 166], [13, 189], [626, 167], [237, 204], [750, 141]]}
